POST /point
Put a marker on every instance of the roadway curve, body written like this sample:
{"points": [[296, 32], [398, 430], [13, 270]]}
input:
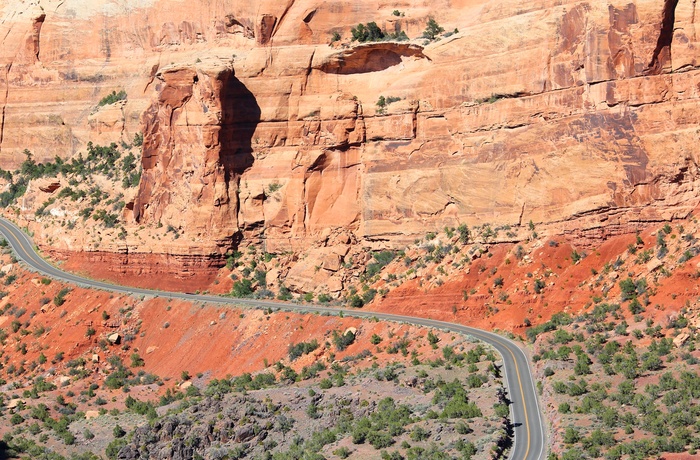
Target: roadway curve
{"points": [[526, 416]]}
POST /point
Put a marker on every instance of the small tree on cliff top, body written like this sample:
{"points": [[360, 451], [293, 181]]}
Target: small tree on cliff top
{"points": [[432, 29], [369, 33]]}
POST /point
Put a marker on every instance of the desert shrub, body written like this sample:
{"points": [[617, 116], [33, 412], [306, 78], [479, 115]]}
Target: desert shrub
{"points": [[368, 296], [242, 288], [248, 382], [571, 436], [342, 341], [112, 97], [432, 338], [550, 325], [324, 298], [661, 247], [432, 29], [60, 298], [476, 380], [138, 139], [118, 432], [260, 276], [367, 33], [538, 286], [119, 376], [113, 448], [381, 260], [302, 348], [284, 293], [137, 360], [356, 301], [455, 401], [141, 407]]}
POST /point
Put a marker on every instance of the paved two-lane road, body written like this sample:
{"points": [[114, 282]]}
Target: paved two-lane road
{"points": [[525, 412]]}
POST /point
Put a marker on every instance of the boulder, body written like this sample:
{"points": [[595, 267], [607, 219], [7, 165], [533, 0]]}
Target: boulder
{"points": [[680, 339], [331, 262], [48, 185], [654, 264], [244, 434], [14, 403]]}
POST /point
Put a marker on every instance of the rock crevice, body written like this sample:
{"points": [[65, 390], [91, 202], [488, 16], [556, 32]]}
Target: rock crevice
{"points": [[662, 58]]}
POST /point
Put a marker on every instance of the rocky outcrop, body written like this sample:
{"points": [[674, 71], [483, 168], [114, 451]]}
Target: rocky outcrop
{"points": [[197, 144], [173, 271], [370, 57], [578, 116]]}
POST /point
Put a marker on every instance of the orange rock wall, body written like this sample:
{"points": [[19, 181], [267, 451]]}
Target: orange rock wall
{"points": [[580, 115]]}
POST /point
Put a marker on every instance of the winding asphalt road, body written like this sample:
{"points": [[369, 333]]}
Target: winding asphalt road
{"points": [[525, 412]]}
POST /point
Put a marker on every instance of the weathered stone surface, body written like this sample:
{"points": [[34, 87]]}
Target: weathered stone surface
{"points": [[331, 262], [49, 185], [195, 150], [579, 116], [680, 339]]}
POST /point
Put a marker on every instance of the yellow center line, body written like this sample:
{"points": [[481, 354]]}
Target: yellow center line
{"points": [[522, 391], [30, 254]]}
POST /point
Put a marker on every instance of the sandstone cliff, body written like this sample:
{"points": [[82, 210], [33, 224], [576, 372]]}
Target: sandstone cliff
{"points": [[579, 116]]}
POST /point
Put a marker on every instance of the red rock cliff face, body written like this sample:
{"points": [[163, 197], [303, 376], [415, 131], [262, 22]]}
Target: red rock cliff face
{"points": [[578, 115], [197, 143]]}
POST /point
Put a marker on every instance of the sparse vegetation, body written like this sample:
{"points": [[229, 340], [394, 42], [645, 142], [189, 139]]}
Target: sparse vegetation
{"points": [[60, 298], [302, 348], [371, 32], [367, 33], [432, 29], [112, 97]]}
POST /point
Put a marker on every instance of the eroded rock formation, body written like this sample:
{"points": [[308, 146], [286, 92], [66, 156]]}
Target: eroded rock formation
{"points": [[197, 144], [581, 116]]}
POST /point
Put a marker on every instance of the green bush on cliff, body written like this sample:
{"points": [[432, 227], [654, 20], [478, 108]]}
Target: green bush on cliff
{"points": [[99, 159], [132, 174], [367, 33], [432, 29], [382, 259], [342, 341], [16, 190], [112, 97], [302, 348]]}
